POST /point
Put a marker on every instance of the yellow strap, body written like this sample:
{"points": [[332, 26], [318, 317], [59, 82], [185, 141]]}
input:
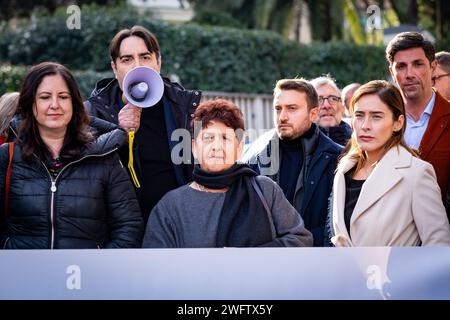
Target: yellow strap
{"points": [[130, 159]]}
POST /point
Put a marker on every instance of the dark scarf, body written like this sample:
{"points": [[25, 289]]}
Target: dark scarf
{"points": [[243, 221]]}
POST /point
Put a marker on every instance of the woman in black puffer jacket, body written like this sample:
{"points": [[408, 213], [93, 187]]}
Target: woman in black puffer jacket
{"points": [[67, 189]]}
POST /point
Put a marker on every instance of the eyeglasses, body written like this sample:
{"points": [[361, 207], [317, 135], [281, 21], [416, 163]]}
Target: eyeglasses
{"points": [[333, 100], [438, 77]]}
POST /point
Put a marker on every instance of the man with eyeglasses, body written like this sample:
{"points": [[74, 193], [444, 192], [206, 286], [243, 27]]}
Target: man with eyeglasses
{"points": [[412, 62], [331, 110], [441, 75]]}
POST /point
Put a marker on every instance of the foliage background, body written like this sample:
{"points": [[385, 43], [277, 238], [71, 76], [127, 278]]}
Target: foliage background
{"points": [[203, 57]]}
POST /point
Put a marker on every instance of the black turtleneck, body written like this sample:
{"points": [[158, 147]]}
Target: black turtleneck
{"points": [[292, 156], [158, 174]]}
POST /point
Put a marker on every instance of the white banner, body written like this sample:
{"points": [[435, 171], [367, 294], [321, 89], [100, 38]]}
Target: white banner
{"points": [[224, 274]]}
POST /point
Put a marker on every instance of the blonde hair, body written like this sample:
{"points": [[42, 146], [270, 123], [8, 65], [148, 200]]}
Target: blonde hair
{"points": [[8, 107]]}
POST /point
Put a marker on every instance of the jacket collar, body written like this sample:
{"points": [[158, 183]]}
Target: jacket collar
{"points": [[182, 101], [382, 179], [308, 144], [439, 121], [109, 137], [263, 149], [107, 89]]}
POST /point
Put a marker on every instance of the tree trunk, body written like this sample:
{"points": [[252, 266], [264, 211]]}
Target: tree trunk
{"points": [[413, 12], [438, 20]]}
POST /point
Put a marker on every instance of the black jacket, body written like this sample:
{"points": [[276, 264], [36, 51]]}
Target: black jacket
{"points": [[339, 134], [91, 203], [103, 104]]}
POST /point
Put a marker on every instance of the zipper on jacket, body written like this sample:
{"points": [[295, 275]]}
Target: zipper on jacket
{"points": [[53, 189], [6, 242]]}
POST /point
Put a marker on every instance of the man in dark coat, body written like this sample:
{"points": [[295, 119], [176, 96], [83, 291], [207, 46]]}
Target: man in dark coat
{"points": [[298, 156], [160, 164]]}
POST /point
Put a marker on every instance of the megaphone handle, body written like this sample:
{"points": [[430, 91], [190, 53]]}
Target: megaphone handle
{"points": [[130, 158]]}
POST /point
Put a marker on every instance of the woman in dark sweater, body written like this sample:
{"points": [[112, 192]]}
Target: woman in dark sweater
{"points": [[226, 205]]}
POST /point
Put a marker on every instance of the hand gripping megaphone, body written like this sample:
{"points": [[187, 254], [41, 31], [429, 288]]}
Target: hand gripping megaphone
{"points": [[142, 87]]}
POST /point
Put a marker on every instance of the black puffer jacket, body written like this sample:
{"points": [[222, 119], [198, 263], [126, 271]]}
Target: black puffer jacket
{"points": [[91, 203]]}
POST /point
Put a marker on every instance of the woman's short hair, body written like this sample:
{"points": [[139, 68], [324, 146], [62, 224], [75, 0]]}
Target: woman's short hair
{"points": [[77, 134], [219, 110]]}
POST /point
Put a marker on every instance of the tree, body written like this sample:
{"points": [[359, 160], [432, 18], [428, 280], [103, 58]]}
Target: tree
{"points": [[24, 8], [333, 19], [406, 10]]}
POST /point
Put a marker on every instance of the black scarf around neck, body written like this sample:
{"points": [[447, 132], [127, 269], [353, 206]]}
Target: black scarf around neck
{"points": [[243, 220]]}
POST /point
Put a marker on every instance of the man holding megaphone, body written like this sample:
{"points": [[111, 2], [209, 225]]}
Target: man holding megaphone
{"points": [[150, 108]]}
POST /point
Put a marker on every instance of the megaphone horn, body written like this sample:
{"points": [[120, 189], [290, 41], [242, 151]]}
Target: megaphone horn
{"points": [[143, 87]]}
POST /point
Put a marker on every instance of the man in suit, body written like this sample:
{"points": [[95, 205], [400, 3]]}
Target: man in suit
{"points": [[298, 156], [412, 62]]}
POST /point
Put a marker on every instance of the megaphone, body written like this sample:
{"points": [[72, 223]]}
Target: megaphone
{"points": [[143, 87]]}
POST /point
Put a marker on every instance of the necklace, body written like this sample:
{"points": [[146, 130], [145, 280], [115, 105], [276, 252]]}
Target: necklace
{"points": [[199, 187]]}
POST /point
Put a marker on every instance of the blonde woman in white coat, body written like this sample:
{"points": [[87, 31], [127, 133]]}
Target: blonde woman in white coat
{"points": [[383, 194]]}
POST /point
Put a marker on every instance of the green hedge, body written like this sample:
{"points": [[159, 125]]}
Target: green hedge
{"points": [[207, 58], [11, 77]]}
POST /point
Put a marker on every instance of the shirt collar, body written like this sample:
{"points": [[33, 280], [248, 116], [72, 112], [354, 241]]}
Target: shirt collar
{"points": [[428, 109], [430, 106]]}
